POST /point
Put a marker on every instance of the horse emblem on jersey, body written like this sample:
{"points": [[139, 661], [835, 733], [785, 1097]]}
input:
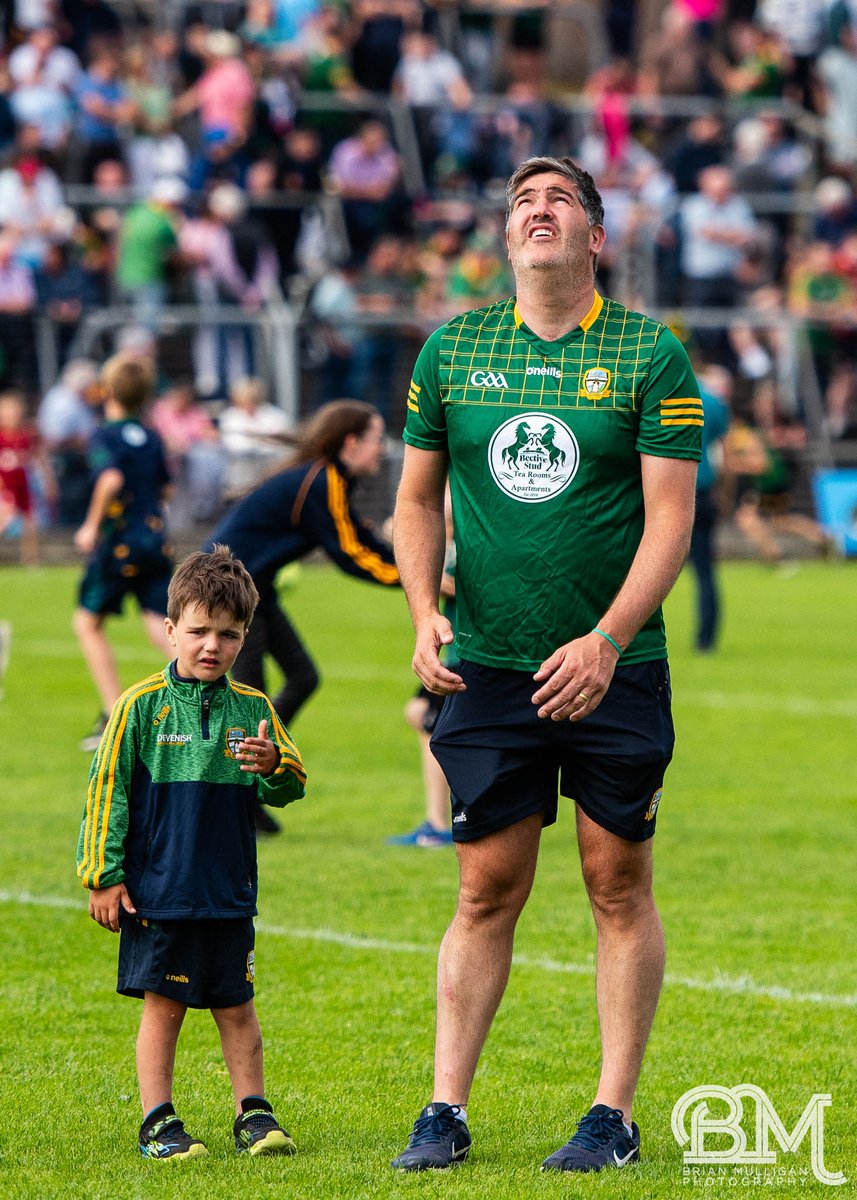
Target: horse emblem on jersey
{"points": [[234, 738], [596, 382], [533, 457]]}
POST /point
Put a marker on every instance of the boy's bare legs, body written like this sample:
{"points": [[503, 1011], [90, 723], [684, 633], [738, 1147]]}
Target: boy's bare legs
{"points": [[156, 1049], [241, 1040], [30, 556], [153, 623], [434, 780], [89, 628]]}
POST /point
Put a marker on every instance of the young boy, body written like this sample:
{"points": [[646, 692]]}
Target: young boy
{"points": [[124, 529], [168, 848]]}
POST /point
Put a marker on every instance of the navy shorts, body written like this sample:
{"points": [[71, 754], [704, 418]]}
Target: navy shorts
{"points": [[203, 964], [118, 571], [504, 762]]}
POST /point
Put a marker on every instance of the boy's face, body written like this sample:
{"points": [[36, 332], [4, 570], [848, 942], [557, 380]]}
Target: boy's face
{"points": [[207, 644]]}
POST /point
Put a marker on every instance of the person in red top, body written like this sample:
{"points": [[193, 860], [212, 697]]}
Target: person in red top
{"points": [[20, 451]]}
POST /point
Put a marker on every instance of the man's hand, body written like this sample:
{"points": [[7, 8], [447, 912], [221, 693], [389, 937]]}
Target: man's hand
{"points": [[432, 633], [575, 678], [259, 755], [104, 905]]}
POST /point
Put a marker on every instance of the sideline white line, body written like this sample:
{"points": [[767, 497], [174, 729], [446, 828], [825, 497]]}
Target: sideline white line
{"points": [[742, 986]]}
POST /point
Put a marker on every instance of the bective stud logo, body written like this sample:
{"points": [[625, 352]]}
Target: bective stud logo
{"points": [[234, 738], [767, 1122], [596, 381], [533, 457], [488, 379]]}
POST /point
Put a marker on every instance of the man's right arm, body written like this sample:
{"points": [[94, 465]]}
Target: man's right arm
{"points": [[419, 540]]}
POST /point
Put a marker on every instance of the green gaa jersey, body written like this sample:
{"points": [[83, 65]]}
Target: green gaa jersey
{"points": [[544, 441]]}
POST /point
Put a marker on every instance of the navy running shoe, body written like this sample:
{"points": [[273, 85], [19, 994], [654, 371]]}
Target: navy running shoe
{"points": [[438, 1140], [163, 1135], [257, 1131], [602, 1140]]}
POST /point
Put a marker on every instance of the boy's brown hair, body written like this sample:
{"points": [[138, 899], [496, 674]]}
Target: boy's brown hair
{"points": [[130, 380], [217, 582]]}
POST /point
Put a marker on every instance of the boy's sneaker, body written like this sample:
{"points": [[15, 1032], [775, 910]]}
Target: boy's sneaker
{"points": [[163, 1135], [438, 1140], [602, 1140], [424, 835], [90, 743], [256, 1130]]}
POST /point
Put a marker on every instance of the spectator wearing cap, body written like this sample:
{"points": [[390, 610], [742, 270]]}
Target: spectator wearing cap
{"points": [[147, 246]]}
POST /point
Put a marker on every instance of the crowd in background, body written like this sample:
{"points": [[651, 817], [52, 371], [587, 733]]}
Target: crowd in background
{"points": [[181, 154]]}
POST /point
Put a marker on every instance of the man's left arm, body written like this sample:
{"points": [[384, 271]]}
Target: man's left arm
{"points": [[576, 677]]}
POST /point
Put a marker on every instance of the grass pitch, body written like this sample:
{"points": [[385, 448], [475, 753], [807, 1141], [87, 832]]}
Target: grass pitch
{"points": [[755, 869]]}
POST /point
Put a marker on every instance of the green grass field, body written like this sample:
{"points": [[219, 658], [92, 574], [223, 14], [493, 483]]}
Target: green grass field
{"points": [[756, 865]]}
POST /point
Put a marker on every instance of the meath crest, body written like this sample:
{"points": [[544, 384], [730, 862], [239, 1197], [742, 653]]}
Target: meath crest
{"points": [[533, 457], [596, 383], [234, 738]]}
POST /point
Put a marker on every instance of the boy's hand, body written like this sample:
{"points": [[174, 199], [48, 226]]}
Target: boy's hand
{"points": [[86, 539], [259, 754], [104, 905]]}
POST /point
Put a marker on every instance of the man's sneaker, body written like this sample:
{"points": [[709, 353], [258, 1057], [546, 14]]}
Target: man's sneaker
{"points": [[602, 1140], [424, 835], [163, 1135], [90, 742], [438, 1140], [265, 823], [256, 1130]]}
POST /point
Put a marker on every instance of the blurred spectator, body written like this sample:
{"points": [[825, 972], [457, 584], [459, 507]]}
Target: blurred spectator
{"points": [[701, 145], [821, 293], [801, 26], [32, 209], [715, 391], [260, 26], [8, 124], [378, 27], [479, 276], [676, 60], [365, 171], [837, 73], [333, 334], [431, 81], [105, 107], [223, 96], [17, 305], [21, 457], [760, 68], [717, 228], [835, 210], [195, 455], [65, 290], [382, 292], [44, 77], [148, 244], [252, 431], [91, 24], [67, 417]]}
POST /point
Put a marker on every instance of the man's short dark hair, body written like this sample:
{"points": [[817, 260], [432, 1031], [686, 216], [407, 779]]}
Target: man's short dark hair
{"points": [[587, 192], [217, 581]]}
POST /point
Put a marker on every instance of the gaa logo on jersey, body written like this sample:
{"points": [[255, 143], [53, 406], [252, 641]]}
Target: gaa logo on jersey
{"points": [[596, 383], [533, 457], [234, 738]]}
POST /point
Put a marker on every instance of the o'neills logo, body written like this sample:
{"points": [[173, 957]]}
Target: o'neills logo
{"points": [[533, 457], [554, 371], [174, 739]]}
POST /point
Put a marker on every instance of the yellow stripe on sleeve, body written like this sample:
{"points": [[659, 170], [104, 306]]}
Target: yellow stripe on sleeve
{"points": [[368, 560]]}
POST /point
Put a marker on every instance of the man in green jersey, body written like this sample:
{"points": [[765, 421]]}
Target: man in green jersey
{"points": [[570, 429]]}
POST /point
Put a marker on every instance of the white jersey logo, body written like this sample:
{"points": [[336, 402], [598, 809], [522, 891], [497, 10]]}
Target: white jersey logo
{"points": [[533, 457], [134, 435], [486, 379]]}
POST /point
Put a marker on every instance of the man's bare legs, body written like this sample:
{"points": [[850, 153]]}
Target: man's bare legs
{"points": [[630, 955], [476, 952]]}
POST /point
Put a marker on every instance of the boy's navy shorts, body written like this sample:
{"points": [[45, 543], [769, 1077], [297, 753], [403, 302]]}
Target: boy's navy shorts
{"points": [[435, 704], [203, 964], [503, 762], [114, 574]]}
